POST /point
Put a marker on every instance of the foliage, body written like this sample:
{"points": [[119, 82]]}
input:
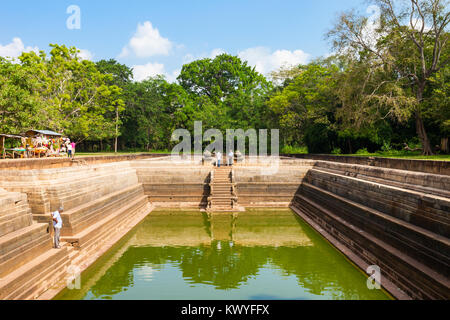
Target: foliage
{"points": [[393, 60], [377, 93], [73, 95], [19, 105]]}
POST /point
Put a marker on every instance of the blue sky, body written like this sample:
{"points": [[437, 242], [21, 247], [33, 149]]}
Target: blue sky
{"points": [[156, 36]]}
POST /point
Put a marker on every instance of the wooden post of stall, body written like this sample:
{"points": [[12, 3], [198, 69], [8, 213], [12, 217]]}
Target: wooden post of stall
{"points": [[2, 146]]}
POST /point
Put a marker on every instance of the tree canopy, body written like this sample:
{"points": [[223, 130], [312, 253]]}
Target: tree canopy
{"points": [[386, 86]]}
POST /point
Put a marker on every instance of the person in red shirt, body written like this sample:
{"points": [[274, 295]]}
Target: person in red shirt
{"points": [[73, 144]]}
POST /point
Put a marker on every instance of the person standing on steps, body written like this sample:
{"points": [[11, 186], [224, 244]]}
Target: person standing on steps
{"points": [[73, 144], [230, 158], [57, 225], [219, 158], [69, 149]]}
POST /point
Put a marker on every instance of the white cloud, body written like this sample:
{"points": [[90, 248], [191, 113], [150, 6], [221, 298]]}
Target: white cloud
{"points": [[85, 54], [188, 58], [143, 72], [15, 49], [147, 42], [172, 77], [216, 52], [266, 61]]}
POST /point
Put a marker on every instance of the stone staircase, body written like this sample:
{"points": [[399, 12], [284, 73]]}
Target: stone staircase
{"points": [[102, 203], [28, 264], [223, 197], [396, 219]]}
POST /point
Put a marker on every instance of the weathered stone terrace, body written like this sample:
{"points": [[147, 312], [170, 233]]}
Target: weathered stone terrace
{"points": [[397, 219]]}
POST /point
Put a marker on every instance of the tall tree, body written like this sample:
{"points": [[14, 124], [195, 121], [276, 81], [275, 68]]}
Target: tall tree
{"points": [[19, 103], [121, 76], [75, 96], [227, 92], [307, 104], [402, 52]]}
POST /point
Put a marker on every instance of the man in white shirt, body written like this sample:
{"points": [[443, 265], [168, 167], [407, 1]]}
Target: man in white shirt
{"points": [[69, 150], [219, 158], [57, 225], [230, 158]]}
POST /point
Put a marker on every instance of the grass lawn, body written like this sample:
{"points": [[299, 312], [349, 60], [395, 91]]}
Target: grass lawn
{"points": [[394, 154], [411, 155]]}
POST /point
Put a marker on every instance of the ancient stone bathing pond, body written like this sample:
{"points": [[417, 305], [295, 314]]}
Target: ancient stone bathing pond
{"points": [[255, 255]]}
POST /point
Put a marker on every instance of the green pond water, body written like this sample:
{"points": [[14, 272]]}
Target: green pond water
{"points": [[264, 255]]}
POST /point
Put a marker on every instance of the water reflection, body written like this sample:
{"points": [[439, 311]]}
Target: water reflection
{"points": [[256, 255]]}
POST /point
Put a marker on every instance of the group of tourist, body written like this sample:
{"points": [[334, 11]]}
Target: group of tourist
{"points": [[230, 159], [68, 147]]}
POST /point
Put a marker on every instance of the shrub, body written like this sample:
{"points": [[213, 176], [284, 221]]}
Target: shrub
{"points": [[336, 151]]}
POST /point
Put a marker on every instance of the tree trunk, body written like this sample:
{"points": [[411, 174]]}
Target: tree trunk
{"points": [[117, 130], [421, 132], [444, 145], [420, 128]]}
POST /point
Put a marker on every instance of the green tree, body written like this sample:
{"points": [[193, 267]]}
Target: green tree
{"points": [[226, 92], [19, 103], [306, 106], [147, 118], [121, 76], [401, 55], [74, 94]]}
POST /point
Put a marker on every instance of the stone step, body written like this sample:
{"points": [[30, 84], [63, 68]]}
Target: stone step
{"points": [[23, 247], [22, 209], [92, 232], [20, 237], [421, 244], [94, 189], [222, 209], [216, 196], [14, 202], [9, 198], [414, 278], [424, 210], [115, 225], [222, 190], [215, 204], [419, 181], [91, 252], [14, 222], [27, 276], [79, 218], [67, 188], [55, 278]]}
